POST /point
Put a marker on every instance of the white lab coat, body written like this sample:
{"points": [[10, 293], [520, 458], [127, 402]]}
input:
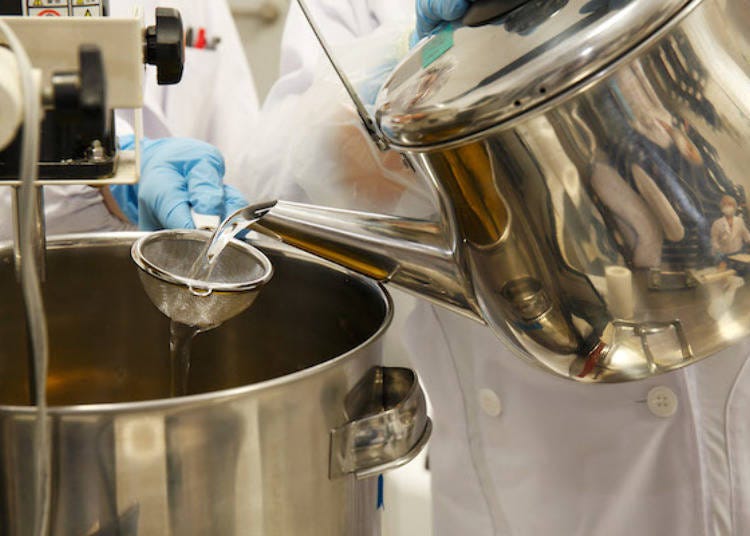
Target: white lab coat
{"points": [[519, 452], [727, 239], [215, 102]]}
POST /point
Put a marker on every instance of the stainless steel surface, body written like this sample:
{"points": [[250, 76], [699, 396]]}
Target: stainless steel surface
{"points": [[39, 232], [419, 256], [389, 424], [625, 173], [165, 260], [367, 120], [508, 67], [247, 453], [411, 455]]}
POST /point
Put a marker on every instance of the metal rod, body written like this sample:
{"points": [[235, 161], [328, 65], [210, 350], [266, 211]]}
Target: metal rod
{"points": [[16, 231], [39, 231], [364, 115]]}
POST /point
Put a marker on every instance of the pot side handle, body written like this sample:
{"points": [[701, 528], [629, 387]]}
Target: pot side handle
{"points": [[389, 425]]}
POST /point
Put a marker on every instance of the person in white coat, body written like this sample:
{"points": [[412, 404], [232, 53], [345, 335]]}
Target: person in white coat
{"points": [[729, 233], [309, 96], [517, 451], [215, 102]]}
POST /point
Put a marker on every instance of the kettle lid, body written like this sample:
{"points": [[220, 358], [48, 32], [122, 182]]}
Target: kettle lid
{"points": [[463, 80]]}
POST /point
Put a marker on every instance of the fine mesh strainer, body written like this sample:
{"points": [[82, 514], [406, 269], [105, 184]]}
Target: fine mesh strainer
{"points": [[166, 259]]}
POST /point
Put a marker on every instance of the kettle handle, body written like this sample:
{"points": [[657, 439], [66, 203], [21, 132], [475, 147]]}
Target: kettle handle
{"points": [[484, 11], [392, 429]]}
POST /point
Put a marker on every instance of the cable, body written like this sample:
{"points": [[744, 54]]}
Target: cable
{"points": [[31, 286]]}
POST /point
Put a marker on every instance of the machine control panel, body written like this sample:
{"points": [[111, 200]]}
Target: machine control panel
{"points": [[64, 8]]}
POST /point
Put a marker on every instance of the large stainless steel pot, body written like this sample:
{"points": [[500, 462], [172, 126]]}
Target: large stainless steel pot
{"points": [[582, 151], [290, 415]]}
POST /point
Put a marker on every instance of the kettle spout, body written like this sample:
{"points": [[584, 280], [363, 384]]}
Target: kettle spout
{"points": [[415, 255]]}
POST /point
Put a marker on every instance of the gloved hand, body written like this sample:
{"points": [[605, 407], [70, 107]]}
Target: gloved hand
{"points": [[431, 13], [177, 175]]}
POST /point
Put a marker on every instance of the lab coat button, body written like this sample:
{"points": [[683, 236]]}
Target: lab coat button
{"points": [[662, 401], [490, 402]]}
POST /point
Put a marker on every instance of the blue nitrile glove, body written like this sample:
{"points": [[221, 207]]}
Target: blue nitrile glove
{"points": [[432, 13], [178, 176]]}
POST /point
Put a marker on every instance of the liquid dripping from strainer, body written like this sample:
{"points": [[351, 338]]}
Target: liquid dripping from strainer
{"points": [[181, 335], [180, 341]]}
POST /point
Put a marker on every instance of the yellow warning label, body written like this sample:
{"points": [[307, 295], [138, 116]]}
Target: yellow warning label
{"points": [[88, 13]]}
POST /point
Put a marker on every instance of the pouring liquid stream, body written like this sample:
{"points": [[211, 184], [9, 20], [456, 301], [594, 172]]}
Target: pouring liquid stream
{"points": [[180, 341], [181, 335]]}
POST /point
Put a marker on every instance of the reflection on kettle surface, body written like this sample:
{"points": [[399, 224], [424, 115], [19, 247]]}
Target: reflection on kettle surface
{"points": [[634, 174], [585, 185], [530, 15]]}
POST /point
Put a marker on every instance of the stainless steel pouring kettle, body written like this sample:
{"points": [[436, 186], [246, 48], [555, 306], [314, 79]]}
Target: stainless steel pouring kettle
{"points": [[592, 159]]}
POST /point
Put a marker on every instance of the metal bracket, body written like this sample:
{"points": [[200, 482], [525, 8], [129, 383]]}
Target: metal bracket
{"points": [[644, 329], [127, 172]]}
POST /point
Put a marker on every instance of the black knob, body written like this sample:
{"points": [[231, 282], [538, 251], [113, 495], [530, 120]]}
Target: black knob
{"points": [[165, 46], [484, 11]]}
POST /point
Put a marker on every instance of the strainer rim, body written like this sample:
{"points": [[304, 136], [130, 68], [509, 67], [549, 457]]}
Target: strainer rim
{"points": [[161, 274]]}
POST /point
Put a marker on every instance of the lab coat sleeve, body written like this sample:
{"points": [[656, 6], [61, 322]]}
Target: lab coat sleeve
{"points": [[216, 100], [341, 22], [68, 209], [312, 139], [275, 149]]}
